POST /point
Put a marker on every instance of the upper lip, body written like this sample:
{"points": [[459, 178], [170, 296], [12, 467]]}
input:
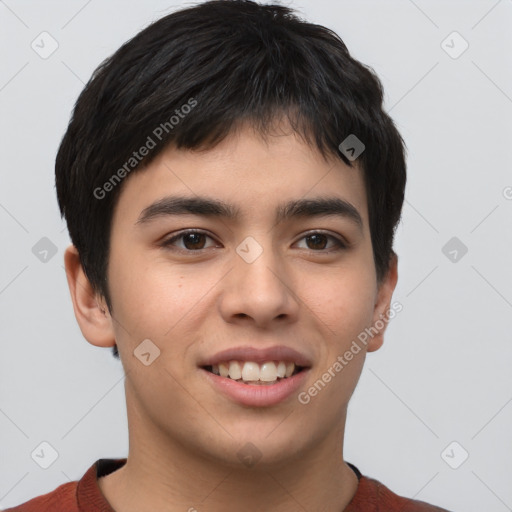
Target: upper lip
{"points": [[258, 355]]}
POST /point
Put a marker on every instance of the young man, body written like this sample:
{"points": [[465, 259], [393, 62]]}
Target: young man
{"points": [[231, 186]]}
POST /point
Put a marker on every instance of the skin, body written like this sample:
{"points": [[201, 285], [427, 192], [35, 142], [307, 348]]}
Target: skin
{"points": [[183, 434]]}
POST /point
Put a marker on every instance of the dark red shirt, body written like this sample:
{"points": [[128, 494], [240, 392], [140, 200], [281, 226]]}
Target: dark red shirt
{"points": [[85, 495]]}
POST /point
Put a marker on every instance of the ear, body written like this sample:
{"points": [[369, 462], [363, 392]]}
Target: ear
{"points": [[382, 305], [91, 311]]}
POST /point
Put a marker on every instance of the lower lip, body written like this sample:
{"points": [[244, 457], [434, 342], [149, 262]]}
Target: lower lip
{"points": [[257, 395]]}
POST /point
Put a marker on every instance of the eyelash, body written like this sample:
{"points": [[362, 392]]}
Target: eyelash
{"points": [[341, 245]]}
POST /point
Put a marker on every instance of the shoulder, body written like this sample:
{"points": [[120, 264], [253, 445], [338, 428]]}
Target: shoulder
{"points": [[389, 500], [373, 496], [63, 498]]}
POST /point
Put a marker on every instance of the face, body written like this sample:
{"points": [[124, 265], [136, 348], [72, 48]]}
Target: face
{"points": [[296, 288]]}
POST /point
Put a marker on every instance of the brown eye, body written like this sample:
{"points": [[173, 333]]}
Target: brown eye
{"points": [[192, 240], [318, 241]]}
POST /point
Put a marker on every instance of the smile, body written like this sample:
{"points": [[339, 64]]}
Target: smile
{"points": [[250, 372]]}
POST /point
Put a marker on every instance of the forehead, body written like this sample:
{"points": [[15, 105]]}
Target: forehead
{"points": [[244, 177]]}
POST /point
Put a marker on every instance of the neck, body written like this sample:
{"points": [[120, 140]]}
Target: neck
{"points": [[170, 477]]}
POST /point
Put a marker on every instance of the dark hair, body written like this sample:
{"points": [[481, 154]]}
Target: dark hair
{"points": [[228, 61]]}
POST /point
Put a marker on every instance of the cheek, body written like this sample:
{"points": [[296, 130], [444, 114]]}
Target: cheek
{"points": [[149, 299], [158, 300], [343, 301]]}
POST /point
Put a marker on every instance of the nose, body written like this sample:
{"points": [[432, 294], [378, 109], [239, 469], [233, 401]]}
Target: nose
{"points": [[259, 286]]}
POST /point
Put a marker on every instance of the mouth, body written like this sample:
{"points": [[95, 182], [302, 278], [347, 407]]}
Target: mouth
{"points": [[252, 373], [257, 376]]}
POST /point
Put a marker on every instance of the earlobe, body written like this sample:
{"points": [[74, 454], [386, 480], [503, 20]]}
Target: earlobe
{"points": [[382, 305], [90, 310]]}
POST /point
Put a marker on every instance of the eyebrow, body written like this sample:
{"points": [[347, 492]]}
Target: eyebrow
{"points": [[209, 207]]}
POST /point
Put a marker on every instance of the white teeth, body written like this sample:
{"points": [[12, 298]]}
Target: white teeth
{"points": [[235, 371], [223, 369], [268, 372], [249, 371], [281, 369]]}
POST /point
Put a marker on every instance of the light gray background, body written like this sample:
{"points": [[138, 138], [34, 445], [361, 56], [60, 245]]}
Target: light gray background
{"points": [[444, 372]]}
